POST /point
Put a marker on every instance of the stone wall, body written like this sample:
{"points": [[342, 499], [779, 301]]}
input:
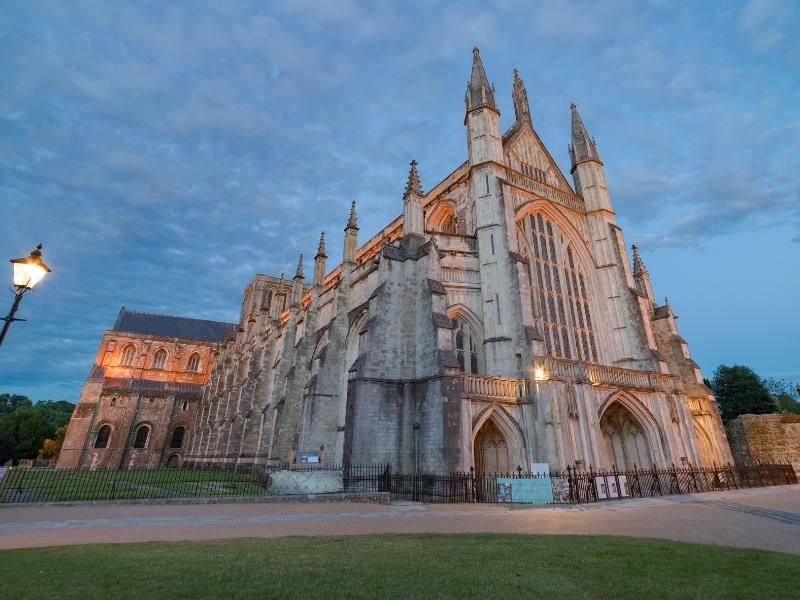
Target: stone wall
{"points": [[768, 438]]}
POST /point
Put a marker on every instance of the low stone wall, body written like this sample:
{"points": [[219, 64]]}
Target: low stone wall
{"points": [[306, 482], [766, 438]]}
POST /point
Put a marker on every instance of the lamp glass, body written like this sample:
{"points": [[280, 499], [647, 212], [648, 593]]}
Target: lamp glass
{"points": [[30, 270]]}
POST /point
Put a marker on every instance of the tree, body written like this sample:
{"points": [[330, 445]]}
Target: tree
{"points": [[11, 402], [57, 412], [22, 433], [739, 391], [51, 447], [786, 395]]}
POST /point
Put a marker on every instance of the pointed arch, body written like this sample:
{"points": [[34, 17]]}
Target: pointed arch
{"points": [[467, 338], [706, 446], [128, 355], [495, 416], [643, 417], [442, 217]]}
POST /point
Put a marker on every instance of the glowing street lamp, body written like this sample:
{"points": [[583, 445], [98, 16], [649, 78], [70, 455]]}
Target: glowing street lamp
{"points": [[28, 271]]}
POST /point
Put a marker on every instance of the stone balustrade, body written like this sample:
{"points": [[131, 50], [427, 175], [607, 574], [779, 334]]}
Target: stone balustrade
{"points": [[545, 191], [495, 389], [571, 370]]}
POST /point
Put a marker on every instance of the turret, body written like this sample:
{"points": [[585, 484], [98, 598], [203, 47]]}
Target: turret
{"points": [[519, 95], [641, 276], [413, 215], [587, 168], [350, 236], [484, 140], [297, 286], [319, 262]]}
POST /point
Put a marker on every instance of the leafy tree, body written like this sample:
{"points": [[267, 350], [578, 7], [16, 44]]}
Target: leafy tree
{"points": [[22, 433], [739, 391], [57, 412], [51, 447], [785, 393], [11, 402]]}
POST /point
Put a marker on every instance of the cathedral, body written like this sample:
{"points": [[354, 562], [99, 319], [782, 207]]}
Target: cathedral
{"points": [[498, 322]]}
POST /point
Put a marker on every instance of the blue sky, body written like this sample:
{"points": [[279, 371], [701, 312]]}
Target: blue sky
{"points": [[163, 153]]}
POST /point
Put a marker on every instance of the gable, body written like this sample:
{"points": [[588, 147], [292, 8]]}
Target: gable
{"points": [[525, 152]]}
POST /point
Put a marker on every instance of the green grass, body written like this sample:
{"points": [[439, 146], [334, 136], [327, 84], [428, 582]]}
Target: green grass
{"points": [[401, 566], [75, 485]]}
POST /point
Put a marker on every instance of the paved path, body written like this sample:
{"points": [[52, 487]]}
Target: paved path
{"points": [[767, 518]]}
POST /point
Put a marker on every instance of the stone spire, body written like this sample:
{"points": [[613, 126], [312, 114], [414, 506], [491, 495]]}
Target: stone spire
{"points": [[479, 92], [350, 237], [297, 285], [413, 184], [413, 216], [583, 146], [640, 275], [519, 95], [321, 246], [351, 222], [638, 265], [319, 262]]}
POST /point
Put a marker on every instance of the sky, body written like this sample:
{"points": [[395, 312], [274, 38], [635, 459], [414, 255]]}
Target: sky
{"points": [[163, 153]]}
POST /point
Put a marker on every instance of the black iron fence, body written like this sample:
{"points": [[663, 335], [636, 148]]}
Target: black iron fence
{"points": [[24, 485]]}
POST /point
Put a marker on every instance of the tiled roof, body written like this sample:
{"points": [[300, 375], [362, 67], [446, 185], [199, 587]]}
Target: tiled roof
{"points": [[199, 330]]}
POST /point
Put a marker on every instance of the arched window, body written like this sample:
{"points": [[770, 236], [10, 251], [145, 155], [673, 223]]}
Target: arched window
{"points": [[560, 286], [103, 435], [194, 362], [467, 346], [160, 359], [579, 310], [140, 441], [177, 438], [128, 355]]}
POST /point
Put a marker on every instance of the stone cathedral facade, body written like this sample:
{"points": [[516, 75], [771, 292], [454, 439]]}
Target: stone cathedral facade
{"points": [[498, 322]]}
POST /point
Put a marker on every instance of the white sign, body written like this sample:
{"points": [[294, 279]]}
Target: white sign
{"points": [[607, 487], [540, 468]]}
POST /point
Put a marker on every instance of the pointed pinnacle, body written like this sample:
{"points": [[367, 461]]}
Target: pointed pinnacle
{"points": [[583, 146], [351, 222], [638, 264], [413, 184], [299, 273], [479, 92], [321, 247]]}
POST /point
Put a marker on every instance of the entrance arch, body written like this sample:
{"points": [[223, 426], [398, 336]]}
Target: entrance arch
{"points": [[491, 450], [624, 439]]}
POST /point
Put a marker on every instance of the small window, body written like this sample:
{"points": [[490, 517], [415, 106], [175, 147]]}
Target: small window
{"points": [[128, 355], [194, 362], [185, 405], [103, 435], [141, 437], [160, 359], [113, 402], [177, 438]]}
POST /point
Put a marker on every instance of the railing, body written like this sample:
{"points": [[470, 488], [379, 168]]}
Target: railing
{"points": [[151, 384], [495, 389], [559, 368], [227, 480], [545, 191]]}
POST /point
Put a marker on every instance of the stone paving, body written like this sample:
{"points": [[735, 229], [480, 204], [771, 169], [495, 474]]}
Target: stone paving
{"points": [[767, 518]]}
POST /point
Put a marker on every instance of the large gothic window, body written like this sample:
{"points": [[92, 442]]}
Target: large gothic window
{"points": [[160, 359], [467, 345], [194, 362], [103, 435], [579, 310], [140, 441], [560, 290]]}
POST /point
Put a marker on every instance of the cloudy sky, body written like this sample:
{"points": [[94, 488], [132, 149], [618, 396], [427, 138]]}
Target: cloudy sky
{"points": [[163, 153]]}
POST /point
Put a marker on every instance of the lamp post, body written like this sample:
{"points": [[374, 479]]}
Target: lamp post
{"points": [[28, 271]]}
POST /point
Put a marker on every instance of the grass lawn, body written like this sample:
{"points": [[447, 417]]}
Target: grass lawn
{"points": [[55, 485], [400, 566]]}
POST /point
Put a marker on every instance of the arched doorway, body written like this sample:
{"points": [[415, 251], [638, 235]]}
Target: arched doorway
{"points": [[624, 438], [491, 449]]}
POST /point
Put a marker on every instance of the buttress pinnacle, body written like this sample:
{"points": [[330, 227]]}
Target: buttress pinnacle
{"points": [[321, 247], [583, 146], [351, 221], [479, 92], [413, 184], [299, 273], [638, 264]]}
